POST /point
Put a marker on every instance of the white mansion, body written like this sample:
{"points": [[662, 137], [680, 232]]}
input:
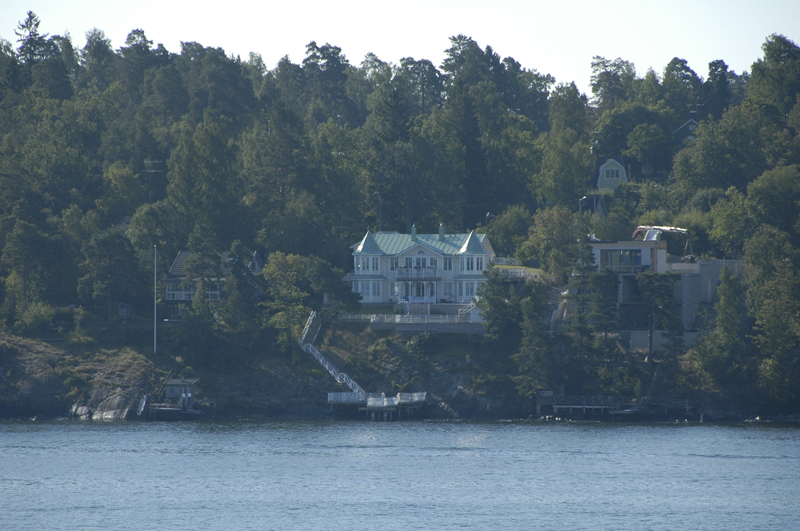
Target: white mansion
{"points": [[394, 267]]}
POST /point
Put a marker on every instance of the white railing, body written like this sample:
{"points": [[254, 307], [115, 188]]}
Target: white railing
{"points": [[505, 261], [406, 319], [411, 398], [352, 398], [627, 269], [520, 272], [376, 399], [422, 273], [339, 376]]}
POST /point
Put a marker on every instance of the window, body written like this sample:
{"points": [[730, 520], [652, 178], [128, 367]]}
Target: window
{"points": [[393, 263], [376, 289], [355, 287], [421, 262], [376, 263], [364, 289], [419, 289], [469, 289], [470, 263], [365, 263], [621, 259], [479, 263], [447, 263], [461, 263], [447, 289], [393, 289], [409, 262], [460, 289], [432, 263]]}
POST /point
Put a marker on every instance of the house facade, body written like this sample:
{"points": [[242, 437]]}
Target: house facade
{"points": [[685, 132], [389, 267], [178, 291], [694, 290], [611, 175]]}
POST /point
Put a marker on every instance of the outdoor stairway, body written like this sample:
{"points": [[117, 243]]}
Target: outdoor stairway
{"points": [[338, 376], [369, 401]]}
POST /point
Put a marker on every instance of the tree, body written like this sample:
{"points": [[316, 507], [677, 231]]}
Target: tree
{"points": [[776, 77], [773, 299], [98, 61], [722, 353], [508, 230], [568, 108], [110, 272], [603, 301], [25, 253], [426, 85], [552, 240], [651, 146], [611, 82], [33, 47], [681, 86], [717, 89], [658, 304], [124, 192], [566, 168], [774, 199]]}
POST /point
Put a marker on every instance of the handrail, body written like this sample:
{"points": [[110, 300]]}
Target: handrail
{"points": [[338, 376]]}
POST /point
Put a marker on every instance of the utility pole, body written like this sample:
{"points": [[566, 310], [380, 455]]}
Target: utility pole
{"points": [[155, 298]]}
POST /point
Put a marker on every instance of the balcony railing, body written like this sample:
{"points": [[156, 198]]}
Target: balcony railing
{"points": [[627, 269], [404, 273]]}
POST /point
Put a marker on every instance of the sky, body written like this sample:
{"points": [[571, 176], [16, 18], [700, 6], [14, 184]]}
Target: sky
{"points": [[557, 37]]}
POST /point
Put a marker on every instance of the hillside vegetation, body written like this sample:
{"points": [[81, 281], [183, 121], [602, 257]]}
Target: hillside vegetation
{"points": [[109, 153]]}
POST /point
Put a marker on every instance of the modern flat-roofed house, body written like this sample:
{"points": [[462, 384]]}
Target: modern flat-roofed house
{"points": [[694, 289], [390, 267]]}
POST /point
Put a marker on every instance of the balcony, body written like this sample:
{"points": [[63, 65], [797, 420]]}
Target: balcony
{"points": [[627, 269], [413, 273]]}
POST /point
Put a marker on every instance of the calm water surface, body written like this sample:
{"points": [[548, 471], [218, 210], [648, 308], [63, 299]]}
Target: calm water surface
{"points": [[397, 476]]}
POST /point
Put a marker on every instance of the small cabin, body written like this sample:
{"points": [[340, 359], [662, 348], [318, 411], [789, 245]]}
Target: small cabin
{"points": [[611, 175], [181, 391]]}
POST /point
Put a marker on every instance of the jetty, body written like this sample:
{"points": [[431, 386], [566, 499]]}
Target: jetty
{"points": [[174, 400], [377, 406]]}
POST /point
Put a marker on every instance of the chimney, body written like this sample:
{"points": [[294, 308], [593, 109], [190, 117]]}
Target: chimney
{"points": [[414, 232], [441, 232]]}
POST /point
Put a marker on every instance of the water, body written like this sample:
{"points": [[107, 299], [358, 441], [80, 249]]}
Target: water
{"points": [[397, 476]]}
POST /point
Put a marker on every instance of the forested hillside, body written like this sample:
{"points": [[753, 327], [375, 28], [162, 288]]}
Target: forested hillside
{"points": [[107, 153]]}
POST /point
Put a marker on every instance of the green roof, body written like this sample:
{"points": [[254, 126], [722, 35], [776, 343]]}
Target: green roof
{"points": [[472, 245], [368, 245], [393, 243]]}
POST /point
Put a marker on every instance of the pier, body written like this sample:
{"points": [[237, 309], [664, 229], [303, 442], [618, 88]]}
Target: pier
{"points": [[616, 407]]}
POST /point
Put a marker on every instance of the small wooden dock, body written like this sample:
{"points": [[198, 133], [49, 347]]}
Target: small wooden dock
{"points": [[551, 400]]}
